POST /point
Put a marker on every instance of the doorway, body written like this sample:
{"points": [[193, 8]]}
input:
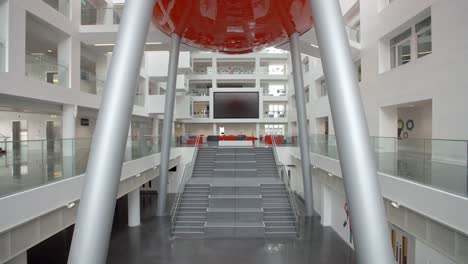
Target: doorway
{"points": [[403, 246]]}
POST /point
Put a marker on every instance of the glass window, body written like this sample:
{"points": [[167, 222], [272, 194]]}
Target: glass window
{"points": [[400, 49], [323, 88], [424, 35]]}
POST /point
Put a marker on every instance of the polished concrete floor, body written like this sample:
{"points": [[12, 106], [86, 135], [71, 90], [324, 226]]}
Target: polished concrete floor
{"points": [[150, 243]]}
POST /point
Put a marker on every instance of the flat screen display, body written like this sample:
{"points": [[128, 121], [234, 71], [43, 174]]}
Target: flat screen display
{"points": [[236, 105]]}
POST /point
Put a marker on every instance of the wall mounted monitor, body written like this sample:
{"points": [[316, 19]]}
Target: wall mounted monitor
{"points": [[236, 105]]}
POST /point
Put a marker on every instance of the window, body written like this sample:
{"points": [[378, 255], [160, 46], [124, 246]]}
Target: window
{"points": [[277, 130], [323, 88], [424, 35], [400, 49], [413, 43], [306, 65]]}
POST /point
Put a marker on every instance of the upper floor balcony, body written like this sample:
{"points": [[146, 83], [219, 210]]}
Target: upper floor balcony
{"points": [[45, 68], [440, 164], [109, 15]]}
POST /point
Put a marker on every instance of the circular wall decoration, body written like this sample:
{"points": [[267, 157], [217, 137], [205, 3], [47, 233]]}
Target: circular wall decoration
{"points": [[405, 135], [410, 124], [401, 124]]}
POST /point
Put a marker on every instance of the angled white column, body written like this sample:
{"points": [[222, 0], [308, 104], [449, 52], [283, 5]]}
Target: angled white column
{"points": [[369, 223], [302, 123], [134, 218], [97, 204], [168, 124]]}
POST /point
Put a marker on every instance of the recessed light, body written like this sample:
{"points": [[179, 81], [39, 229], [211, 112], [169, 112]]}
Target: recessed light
{"points": [[104, 44], [71, 205], [315, 46], [329, 174], [49, 51], [395, 204], [138, 175]]}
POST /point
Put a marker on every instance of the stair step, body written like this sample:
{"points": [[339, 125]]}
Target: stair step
{"points": [[189, 234], [190, 223]]}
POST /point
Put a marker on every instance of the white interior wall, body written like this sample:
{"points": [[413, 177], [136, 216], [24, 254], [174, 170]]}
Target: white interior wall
{"points": [[440, 76], [422, 117], [36, 124]]}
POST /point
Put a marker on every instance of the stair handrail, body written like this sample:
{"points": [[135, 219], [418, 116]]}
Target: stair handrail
{"points": [[188, 171], [283, 172]]}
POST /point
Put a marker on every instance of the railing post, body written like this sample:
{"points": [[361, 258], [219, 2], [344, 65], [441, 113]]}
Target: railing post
{"points": [[370, 227], [167, 124], [302, 123], [94, 223]]}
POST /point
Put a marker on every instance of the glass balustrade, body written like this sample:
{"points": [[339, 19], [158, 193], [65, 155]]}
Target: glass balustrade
{"points": [[275, 114], [29, 164], [101, 15], [91, 84], [44, 68], [441, 164], [63, 6], [354, 33]]}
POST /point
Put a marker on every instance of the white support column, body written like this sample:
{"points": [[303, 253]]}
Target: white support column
{"points": [[64, 62], [215, 132], [16, 44], [20, 259], [257, 130], [183, 128], [134, 208], [68, 135]]}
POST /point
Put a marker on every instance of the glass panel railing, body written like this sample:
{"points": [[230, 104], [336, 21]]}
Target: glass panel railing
{"points": [[354, 33], [441, 164], [63, 6], [284, 175], [185, 178], [101, 16], [44, 68], [275, 114], [29, 164], [2, 57], [91, 84]]}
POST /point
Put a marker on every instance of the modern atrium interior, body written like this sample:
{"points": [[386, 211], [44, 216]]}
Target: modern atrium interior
{"points": [[247, 131]]}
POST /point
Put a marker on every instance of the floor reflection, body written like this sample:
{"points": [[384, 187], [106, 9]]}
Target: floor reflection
{"points": [[150, 243]]}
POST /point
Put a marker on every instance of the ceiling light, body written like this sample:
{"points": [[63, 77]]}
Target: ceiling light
{"points": [[395, 204], [49, 51], [71, 205], [138, 175], [329, 174], [314, 167], [153, 43], [104, 45], [315, 46]]}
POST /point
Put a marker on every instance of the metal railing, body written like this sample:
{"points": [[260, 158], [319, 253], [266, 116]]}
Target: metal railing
{"points": [[283, 173], [180, 192]]}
